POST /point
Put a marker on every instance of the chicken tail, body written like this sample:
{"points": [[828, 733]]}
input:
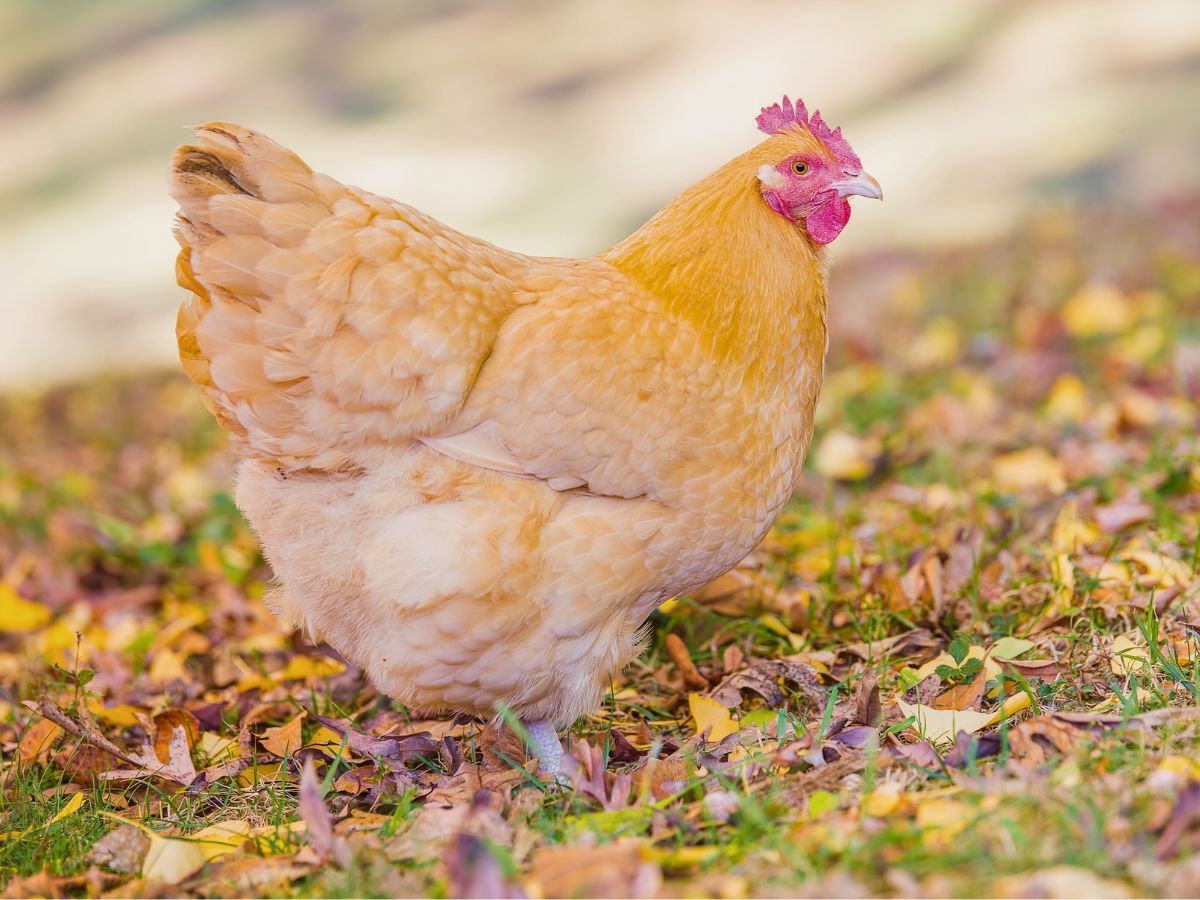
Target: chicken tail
{"points": [[245, 202]]}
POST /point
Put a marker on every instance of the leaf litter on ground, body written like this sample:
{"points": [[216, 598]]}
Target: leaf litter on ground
{"points": [[963, 660]]}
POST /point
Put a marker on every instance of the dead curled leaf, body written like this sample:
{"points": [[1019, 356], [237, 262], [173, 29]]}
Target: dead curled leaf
{"points": [[314, 812], [763, 676], [399, 751], [692, 679], [121, 850], [38, 740], [283, 740], [897, 646], [164, 725], [963, 696], [145, 763], [472, 869], [584, 765]]}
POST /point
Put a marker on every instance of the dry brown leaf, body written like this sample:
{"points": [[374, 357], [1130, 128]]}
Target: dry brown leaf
{"points": [[285, 739], [963, 696], [692, 679], [37, 740], [165, 724], [84, 764], [122, 849], [314, 812]]}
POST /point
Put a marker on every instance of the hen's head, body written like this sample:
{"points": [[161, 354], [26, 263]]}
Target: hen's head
{"points": [[816, 173]]}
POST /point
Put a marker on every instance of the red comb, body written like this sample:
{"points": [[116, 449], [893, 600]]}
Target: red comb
{"points": [[778, 117]]}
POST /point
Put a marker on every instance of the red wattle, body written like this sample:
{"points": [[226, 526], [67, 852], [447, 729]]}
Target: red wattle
{"points": [[827, 221]]}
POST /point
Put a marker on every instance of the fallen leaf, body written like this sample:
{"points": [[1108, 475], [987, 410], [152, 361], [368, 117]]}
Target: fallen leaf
{"points": [[963, 696], [1095, 309], [711, 717], [846, 457], [328, 847], [166, 666], [942, 725], [1118, 516], [1009, 647], [165, 724], [123, 849], [1128, 655], [18, 615], [882, 801], [37, 740], [1062, 883], [678, 650], [169, 860], [284, 739], [71, 807], [1030, 470], [941, 819], [1067, 399]]}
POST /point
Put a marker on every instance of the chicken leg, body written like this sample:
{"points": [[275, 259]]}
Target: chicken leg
{"points": [[545, 745]]}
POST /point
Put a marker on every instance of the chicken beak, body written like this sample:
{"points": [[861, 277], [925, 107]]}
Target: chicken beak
{"points": [[861, 184]]}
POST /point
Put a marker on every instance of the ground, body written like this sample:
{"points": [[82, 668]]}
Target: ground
{"points": [[962, 663]]}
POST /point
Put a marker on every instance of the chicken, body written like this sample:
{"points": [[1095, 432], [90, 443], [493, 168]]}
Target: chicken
{"points": [[475, 473]]}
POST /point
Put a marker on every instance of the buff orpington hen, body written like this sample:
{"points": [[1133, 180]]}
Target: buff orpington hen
{"points": [[474, 472]]}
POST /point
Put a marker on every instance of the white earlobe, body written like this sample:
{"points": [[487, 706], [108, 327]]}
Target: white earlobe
{"points": [[771, 177]]}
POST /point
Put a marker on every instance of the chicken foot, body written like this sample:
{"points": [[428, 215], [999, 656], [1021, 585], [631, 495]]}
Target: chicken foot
{"points": [[545, 745]]}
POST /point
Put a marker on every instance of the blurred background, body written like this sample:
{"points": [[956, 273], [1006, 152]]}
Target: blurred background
{"points": [[558, 127]]}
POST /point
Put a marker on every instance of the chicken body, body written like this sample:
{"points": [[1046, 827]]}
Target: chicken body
{"points": [[475, 473]]}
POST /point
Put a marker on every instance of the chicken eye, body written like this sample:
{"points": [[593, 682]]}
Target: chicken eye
{"points": [[800, 168]]}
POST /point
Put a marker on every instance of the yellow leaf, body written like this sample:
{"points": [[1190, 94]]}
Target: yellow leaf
{"points": [[941, 819], [945, 659], [1141, 344], [57, 642], [938, 344], [668, 605], [1010, 647], [774, 624], [217, 748], [1128, 656], [1112, 571], [18, 615], [939, 726], [1097, 309], [70, 809], [1031, 469], [882, 801], [1063, 573], [122, 715], [1070, 533], [302, 667], [165, 667], [284, 739], [170, 860], [72, 806], [821, 802], [325, 739], [711, 715], [846, 457], [253, 776], [1067, 399], [1161, 570]]}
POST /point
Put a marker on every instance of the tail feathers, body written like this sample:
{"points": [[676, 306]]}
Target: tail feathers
{"points": [[229, 159], [245, 204]]}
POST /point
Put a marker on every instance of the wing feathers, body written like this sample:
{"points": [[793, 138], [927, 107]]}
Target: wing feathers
{"points": [[324, 320]]}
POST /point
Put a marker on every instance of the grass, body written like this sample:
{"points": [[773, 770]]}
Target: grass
{"points": [[1011, 464]]}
